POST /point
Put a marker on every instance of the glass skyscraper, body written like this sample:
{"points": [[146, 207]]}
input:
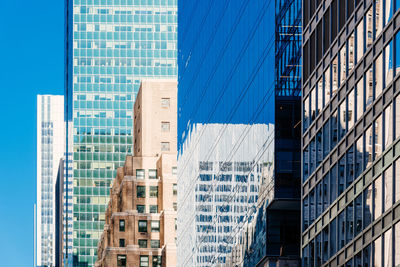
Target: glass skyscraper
{"points": [[110, 46], [50, 150], [239, 131], [351, 130]]}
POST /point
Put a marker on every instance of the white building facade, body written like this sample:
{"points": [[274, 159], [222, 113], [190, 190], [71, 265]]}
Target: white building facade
{"points": [[50, 149]]}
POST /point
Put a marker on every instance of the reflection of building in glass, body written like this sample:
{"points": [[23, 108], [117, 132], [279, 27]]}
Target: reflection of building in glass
{"points": [[110, 46], [50, 148], [239, 105], [351, 130]]}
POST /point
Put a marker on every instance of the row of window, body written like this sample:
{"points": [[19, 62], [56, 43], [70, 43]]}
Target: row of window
{"points": [[144, 261], [380, 134], [383, 251], [142, 226]]}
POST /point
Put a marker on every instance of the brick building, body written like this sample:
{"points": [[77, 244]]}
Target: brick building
{"points": [[140, 219]]}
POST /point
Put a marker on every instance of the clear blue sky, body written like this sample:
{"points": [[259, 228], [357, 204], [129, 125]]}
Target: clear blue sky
{"points": [[31, 63]]}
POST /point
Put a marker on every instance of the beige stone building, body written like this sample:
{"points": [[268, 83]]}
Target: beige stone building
{"points": [[140, 219]]}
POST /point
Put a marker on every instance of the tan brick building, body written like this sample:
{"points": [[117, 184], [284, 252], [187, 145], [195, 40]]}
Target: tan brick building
{"points": [[140, 219]]}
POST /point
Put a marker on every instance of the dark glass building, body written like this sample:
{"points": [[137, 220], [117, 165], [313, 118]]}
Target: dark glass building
{"points": [[239, 132], [351, 130]]}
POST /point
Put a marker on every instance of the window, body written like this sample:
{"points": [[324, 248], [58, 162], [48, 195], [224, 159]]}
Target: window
{"points": [[360, 40], [388, 64], [121, 260], [174, 170], [122, 225], [378, 252], [378, 16], [141, 208], [387, 248], [156, 261], [396, 244], [154, 243], [175, 205], [388, 190], [144, 261], [388, 135], [164, 146], [351, 51], [122, 243], [360, 98], [141, 191], [367, 205], [369, 88], [343, 67], [153, 208], [397, 180], [140, 174], [306, 115], [165, 102], [175, 189], [319, 96], [143, 226], [142, 243], [152, 174], [165, 126], [378, 136], [155, 226], [378, 197], [350, 110], [378, 76], [153, 191]]}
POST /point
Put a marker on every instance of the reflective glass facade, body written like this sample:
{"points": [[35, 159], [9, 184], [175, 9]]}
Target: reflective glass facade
{"points": [[238, 150], [350, 133], [111, 45]]}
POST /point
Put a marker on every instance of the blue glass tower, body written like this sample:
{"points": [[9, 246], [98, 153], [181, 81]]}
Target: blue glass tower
{"points": [[238, 132], [110, 46]]}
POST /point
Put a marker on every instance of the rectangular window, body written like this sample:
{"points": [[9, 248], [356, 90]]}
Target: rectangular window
{"points": [[367, 204], [153, 191], [144, 261], [122, 225], [122, 243], [350, 109], [165, 146], [397, 48], [335, 74], [396, 244], [358, 215], [378, 17], [388, 135], [387, 248], [360, 40], [333, 183], [153, 208], [141, 191], [165, 102], [359, 157], [327, 86], [121, 260], [155, 243], [175, 206], [142, 226], [343, 65], [141, 208], [369, 26], [369, 90], [306, 113], [388, 189], [397, 181], [360, 98], [152, 174], [351, 51], [388, 64], [319, 96], [378, 76], [165, 126], [342, 120], [174, 170], [156, 261], [140, 174], [378, 252], [175, 189], [378, 136], [155, 226], [342, 231], [368, 147], [377, 197], [142, 243]]}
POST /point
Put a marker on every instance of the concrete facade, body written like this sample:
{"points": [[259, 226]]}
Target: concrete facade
{"points": [[140, 219]]}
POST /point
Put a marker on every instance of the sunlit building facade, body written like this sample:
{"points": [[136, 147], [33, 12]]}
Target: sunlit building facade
{"points": [[50, 150], [110, 46], [239, 127], [351, 130]]}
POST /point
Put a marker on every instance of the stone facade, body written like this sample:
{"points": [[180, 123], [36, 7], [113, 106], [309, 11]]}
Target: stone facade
{"points": [[140, 219]]}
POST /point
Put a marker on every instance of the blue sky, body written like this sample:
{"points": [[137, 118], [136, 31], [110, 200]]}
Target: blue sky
{"points": [[31, 63]]}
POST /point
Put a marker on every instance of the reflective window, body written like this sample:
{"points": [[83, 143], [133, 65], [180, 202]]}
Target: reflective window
{"points": [[396, 244], [327, 87], [319, 96], [368, 147], [378, 81], [387, 248], [306, 115], [397, 116], [335, 73], [325, 133], [312, 206], [349, 166], [318, 201], [325, 191], [388, 63], [350, 110], [341, 230], [378, 136], [388, 10], [360, 40], [334, 130], [378, 16], [369, 32], [360, 98], [349, 223], [306, 213], [378, 252], [325, 244], [397, 180], [359, 154], [332, 238], [377, 197], [358, 215], [343, 68], [333, 183], [313, 105], [341, 175], [397, 48], [369, 88], [388, 135], [351, 52], [318, 140], [367, 204], [388, 190]]}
